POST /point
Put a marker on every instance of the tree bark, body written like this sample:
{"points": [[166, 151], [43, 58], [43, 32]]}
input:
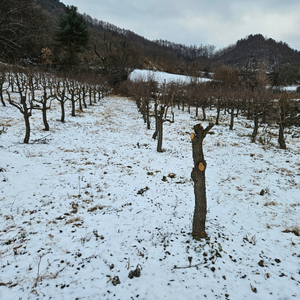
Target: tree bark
{"points": [[231, 118], [148, 113], [160, 129], [62, 106], [255, 130], [27, 126], [281, 139], [203, 113], [218, 115], [46, 124], [2, 99], [73, 113], [156, 121], [198, 176]]}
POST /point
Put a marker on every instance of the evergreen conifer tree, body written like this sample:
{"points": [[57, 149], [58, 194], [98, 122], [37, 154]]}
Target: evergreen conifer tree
{"points": [[72, 34]]}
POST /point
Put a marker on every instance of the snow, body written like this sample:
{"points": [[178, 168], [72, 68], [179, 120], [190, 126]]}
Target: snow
{"points": [[291, 88], [162, 77], [90, 204]]}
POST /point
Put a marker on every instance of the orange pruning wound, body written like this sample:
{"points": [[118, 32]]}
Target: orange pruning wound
{"points": [[201, 167], [192, 135]]}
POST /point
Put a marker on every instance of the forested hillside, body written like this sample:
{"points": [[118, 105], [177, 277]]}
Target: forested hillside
{"points": [[32, 26]]}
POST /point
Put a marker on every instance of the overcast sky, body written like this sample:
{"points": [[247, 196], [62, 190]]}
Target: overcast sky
{"points": [[195, 22]]}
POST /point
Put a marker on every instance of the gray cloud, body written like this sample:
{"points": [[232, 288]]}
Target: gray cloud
{"points": [[215, 22]]}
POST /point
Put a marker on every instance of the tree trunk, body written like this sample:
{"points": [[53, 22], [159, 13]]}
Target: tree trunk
{"points": [[255, 130], [218, 114], [148, 113], [198, 176], [90, 96], [156, 121], [95, 96], [27, 126], [45, 117], [281, 139], [203, 113], [160, 129], [80, 103], [62, 106], [84, 102], [73, 106], [231, 118], [2, 99]]}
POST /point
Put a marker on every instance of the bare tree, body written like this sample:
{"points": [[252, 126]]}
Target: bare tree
{"points": [[60, 95], [162, 115], [18, 32], [284, 99], [260, 98], [198, 176], [3, 80], [72, 88], [229, 76], [46, 84], [25, 104]]}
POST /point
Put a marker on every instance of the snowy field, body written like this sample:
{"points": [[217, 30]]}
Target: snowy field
{"points": [[86, 207], [161, 77]]}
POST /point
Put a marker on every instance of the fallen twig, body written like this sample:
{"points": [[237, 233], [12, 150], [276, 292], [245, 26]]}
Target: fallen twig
{"points": [[3, 130], [43, 139], [187, 267]]}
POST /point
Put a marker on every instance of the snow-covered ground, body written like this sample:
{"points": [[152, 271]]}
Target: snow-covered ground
{"points": [[81, 211], [162, 77]]}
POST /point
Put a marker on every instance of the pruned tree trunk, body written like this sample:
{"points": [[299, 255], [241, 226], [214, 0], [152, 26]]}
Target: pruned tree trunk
{"points": [[90, 95], [156, 121], [281, 139], [218, 114], [63, 114], [231, 118], [80, 103], [2, 99], [84, 93], [2, 81], [160, 128], [27, 128], [46, 124], [255, 129], [203, 113], [148, 113], [198, 176]]}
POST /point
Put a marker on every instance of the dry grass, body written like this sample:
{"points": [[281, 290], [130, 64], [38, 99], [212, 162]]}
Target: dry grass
{"points": [[284, 171], [73, 220], [95, 208], [271, 203], [294, 229]]}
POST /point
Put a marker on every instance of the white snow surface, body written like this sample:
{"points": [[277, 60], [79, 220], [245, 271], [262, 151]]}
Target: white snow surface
{"points": [[162, 77], [90, 204]]}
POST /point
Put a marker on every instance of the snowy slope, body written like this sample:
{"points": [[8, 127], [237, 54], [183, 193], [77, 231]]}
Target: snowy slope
{"points": [[162, 77], [90, 204]]}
